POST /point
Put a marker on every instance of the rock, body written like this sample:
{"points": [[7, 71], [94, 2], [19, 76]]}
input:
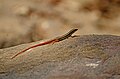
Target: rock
{"points": [[83, 57]]}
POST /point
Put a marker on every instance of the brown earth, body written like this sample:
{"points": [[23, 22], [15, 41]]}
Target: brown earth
{"points": [[23, 21]]}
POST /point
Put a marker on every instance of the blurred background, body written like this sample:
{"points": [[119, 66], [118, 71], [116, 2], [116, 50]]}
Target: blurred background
{"points": [[25, 21]]}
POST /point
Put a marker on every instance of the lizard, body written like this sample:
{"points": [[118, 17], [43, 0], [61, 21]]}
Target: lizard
{"points": [[57, 39]]}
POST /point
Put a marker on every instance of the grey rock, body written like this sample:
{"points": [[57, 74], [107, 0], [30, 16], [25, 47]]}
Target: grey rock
{"points": [[83, 57]]}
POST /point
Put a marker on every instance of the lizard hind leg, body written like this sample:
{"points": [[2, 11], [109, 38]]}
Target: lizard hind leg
{"points": [[75, 36], [54, 42]]}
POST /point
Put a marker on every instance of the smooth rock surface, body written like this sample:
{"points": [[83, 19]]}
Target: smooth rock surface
{"points": [[83, 57]]}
